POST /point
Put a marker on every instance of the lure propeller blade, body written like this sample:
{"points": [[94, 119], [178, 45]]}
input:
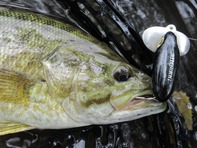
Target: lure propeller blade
{"points": [[151, 38]]}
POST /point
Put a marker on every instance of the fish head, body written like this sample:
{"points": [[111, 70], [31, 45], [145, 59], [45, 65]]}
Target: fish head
{"points": [[132, 97], [100, 88]]}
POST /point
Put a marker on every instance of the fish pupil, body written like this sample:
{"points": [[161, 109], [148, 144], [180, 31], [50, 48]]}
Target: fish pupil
{"points": [[122, 75]]}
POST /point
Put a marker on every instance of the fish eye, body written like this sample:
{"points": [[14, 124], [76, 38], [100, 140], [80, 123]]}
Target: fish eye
{"points": [[122, 74]]}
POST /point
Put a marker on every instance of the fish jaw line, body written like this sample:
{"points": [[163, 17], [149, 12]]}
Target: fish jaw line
{"points": [[138, 107], [118, 104], [137, 113], [145, 107]]}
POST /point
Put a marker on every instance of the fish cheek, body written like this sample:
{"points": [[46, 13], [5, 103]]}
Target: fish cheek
{"points": [[73, 108], [91, 111]]}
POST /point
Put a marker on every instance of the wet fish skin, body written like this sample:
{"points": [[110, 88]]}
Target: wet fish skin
{"points": [[54, 76]]}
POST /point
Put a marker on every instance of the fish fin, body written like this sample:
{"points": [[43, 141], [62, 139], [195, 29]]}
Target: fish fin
{"points": [[8, 127], [14, 86]]}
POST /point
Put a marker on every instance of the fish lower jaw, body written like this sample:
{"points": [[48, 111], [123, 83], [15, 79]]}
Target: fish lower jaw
{"points": [[130, 115]]}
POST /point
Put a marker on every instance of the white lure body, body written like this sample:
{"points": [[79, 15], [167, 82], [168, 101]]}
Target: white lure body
{"points": [[152, 37]]}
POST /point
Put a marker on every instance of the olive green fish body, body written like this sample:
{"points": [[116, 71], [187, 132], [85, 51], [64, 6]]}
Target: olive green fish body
{"points": [[53, 75]]}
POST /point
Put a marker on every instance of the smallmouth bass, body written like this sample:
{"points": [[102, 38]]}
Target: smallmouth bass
{"points": [[54, 76]]}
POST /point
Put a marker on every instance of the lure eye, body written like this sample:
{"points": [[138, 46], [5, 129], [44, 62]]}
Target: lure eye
{"points": [[122, 74]]}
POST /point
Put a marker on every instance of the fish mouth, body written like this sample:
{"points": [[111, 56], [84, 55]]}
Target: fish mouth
{"points": [[148, 98], [139, 100], [130, 108]]}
